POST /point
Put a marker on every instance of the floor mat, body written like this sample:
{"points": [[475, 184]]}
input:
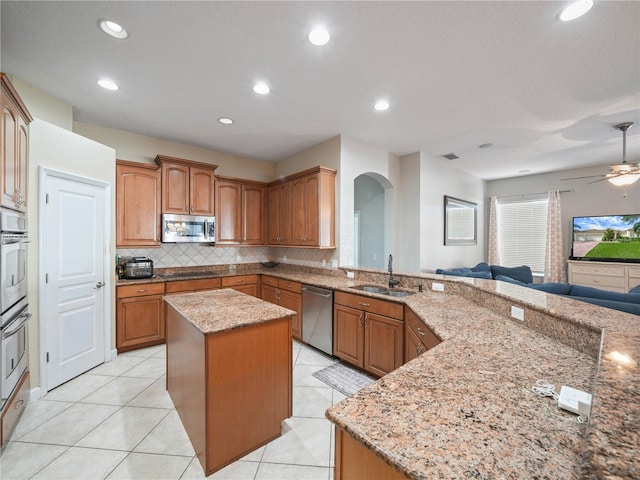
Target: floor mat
{"points": [[343, 378]]}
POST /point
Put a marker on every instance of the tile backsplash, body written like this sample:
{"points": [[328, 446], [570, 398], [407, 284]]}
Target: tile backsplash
{"points": [[194, 254]]}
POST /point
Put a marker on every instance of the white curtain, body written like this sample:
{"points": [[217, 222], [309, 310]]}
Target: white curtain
{"points": [[493, 253], [554, 261]]}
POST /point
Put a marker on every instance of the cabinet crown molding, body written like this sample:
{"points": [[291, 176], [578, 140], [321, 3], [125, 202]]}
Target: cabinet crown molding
{"points": [[188, 163], [129, 163], [6, 83], [304, 173]]}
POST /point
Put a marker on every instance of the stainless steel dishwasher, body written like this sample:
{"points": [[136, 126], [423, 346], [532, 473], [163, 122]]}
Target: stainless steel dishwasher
{"points": [[317, 318]]}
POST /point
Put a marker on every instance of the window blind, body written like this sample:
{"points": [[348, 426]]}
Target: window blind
{"points": [[522, 231]]}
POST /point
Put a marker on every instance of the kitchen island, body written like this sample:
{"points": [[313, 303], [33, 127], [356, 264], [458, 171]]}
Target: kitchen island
{"points": [[229, 371]]}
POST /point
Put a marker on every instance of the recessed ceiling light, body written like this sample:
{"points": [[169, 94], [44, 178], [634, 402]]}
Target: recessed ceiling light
{"points": [[225, 121], [381, 105], [575, 10], [107, 84], [112, 29], [261, 88], [319, 36]]}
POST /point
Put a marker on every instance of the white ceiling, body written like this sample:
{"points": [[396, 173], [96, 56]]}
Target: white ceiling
{"points": [[457, 74]]}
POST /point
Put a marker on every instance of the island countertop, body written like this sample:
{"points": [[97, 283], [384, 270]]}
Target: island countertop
{"points": [[215, 311]]}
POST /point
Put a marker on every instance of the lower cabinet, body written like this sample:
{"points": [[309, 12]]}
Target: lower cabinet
{"points": [[368, 332], [287, 294], [243, 283], [139, 316], [14, 408], [187, 286], [418, 337]]}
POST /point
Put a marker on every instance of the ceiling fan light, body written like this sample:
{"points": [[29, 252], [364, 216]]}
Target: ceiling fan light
{"points": [[624, 180]]}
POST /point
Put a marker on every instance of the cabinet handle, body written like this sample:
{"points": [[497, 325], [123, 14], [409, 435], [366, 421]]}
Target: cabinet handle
{"points": [[142, 291], [419, 349], [360, 319], [364, 304], [18, 404], [420, 332]]}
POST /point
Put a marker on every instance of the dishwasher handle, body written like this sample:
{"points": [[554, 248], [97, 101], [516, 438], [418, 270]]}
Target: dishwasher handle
{"points": [[319, 293]]}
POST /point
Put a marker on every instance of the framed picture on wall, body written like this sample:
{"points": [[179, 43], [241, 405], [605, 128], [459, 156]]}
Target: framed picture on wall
{"points": [[460, 222]]}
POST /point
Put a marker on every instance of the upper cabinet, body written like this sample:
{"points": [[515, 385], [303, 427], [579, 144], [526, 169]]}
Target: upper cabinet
{"points": [[240, 211], [302, 209], [14, 131], [138, 190], [187, 187]]}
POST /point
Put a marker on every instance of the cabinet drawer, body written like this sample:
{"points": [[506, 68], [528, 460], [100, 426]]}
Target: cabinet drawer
{"points": [[267, 280], [368, 304], [140, 290], [294, 287], [14, 408], [599, 281], [239, 280], [424, 333], [606, 270], [193, 285]]}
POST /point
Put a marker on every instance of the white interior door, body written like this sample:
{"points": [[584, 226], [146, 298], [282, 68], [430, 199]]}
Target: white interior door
{"points": [[73, 249]]}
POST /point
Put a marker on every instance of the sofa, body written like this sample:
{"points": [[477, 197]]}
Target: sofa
{"points": [[522, 275]]}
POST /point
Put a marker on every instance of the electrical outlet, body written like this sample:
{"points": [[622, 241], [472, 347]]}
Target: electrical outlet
{"points": [[350, 275], [437, 287], [517, 313]]}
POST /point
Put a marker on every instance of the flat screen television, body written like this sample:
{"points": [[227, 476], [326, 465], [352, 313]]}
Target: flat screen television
{"points": [[609, 238]]}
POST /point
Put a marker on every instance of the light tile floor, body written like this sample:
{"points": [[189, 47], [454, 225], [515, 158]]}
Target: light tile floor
{"points": [[117, 421]]}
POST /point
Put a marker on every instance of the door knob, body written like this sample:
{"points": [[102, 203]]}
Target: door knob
{"points": [[99, 285]]}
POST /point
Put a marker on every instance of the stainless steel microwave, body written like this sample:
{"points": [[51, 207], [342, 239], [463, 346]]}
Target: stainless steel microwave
{"points": [[188, 228]]}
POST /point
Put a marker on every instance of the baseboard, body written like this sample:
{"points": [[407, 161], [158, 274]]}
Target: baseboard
{"points": [[114, 354], [35, 394]]}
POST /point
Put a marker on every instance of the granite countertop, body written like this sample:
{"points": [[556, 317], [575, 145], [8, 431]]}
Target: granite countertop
{"points": [[465, 408], [216, 311]]}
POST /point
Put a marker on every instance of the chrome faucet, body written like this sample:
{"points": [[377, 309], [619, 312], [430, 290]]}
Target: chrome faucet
{"points": [[392, 282]]}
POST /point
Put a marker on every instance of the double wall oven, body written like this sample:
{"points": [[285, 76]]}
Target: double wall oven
{"points": [[14, 305]]}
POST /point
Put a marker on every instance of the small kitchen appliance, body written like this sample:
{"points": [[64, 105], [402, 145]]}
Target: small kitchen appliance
{"points": [[137, 267]]}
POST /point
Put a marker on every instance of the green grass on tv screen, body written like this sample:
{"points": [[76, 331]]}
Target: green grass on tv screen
{"points": [[615, 250]]}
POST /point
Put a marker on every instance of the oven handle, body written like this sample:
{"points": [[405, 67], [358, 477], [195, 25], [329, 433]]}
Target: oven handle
{"points": [[6, 240], [9, 333]]}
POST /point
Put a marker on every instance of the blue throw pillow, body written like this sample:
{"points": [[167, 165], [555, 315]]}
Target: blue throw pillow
{"points": [[590, 292], [481, 267], [480, 274], [504, 278], [522, 273], [464, 272], [558, 288], [635, 289]]}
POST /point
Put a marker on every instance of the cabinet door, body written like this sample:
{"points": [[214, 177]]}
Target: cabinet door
{"points": [[201, 192], [175, 188], [270, 294], [228, 212], [383, 344], [413, 345], [348, 336], [137, 206], [9, 152], [293, 301], [253, 214], [312, 213], [22, 165], [280, 214], [275, 206], [140, 322], [299, 211]]}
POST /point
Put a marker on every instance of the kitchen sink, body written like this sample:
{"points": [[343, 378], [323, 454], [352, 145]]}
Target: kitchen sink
{"points": [[383, 290]]}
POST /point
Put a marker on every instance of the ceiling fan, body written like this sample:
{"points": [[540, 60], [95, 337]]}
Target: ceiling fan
{"points": [[620, 174]]}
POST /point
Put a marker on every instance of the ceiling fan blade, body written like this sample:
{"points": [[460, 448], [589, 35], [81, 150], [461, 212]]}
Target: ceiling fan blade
{"points": [[587, 176], [606, 177]]}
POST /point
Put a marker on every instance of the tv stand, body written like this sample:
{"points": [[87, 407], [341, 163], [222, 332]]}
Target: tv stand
{"points": [[614, 276]]}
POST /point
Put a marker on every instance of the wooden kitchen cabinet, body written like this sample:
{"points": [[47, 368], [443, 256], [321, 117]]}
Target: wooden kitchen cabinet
{"points": [[302, 209], [139, 316], [187, 187], [197, 285], [14, 129], [368, 332], [240, 211], [243, 283], [418, 337], [287, 294], [280, 214], [138, 188], [14, 408]]}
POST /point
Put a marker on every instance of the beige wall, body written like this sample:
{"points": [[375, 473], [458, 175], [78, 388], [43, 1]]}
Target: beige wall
{"points": [[59, 149], [43, 105], [140, 148]]}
